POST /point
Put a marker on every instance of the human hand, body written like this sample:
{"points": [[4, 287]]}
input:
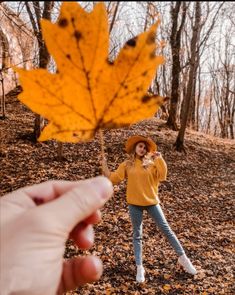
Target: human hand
{"points": [[156, 155], [149, 158], [33, 236]]}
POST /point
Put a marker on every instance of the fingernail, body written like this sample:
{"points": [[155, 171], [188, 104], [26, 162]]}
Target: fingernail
{"points": [[103, 186], [90, 236], [98, 265]]}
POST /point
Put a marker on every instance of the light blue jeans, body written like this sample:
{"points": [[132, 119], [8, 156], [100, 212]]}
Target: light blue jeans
{"points": [[155, 211]]}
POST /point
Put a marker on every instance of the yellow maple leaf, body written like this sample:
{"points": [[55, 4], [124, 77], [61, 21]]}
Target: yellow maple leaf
{"points": [[88, 92], [167, 287]]}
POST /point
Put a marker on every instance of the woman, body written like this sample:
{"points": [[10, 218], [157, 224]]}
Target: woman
{"points": [[144, 170]]}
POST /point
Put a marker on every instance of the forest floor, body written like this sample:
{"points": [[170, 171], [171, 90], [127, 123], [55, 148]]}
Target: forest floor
{"points": [[197, 198]]}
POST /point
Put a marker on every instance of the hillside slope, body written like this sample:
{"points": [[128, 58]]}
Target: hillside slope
{"points": [[197, 198]]}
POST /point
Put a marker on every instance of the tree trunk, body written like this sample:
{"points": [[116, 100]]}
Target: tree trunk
{"points": [[38, 126], [2, 154], [5, 63], [192, 111], [44, 56], [3, 100], [231, 123], [114, 16], [198, 101], [175, 41], [60, 151], [179, 144], [209, 116], [192, 107]]}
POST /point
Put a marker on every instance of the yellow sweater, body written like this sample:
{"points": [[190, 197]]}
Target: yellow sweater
{"points": [[142, 183]]}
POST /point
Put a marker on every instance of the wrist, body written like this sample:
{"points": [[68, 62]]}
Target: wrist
{"points": [[156, 155]]}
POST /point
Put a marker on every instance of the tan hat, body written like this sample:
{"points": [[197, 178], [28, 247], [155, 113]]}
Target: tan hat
{"points": [[131, 141]]}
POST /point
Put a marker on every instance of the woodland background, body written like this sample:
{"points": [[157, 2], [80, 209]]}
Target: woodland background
{"points": [[194, 132]]}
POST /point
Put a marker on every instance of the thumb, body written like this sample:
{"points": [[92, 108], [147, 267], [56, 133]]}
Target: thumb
{"points": [[65, 212]]}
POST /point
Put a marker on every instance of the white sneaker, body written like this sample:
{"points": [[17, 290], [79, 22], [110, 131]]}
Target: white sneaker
{"points": [[187, 264], [140, 274]]}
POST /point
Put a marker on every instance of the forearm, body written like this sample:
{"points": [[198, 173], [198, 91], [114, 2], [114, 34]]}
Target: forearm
{"points": [[116, 176], [161, 169]]}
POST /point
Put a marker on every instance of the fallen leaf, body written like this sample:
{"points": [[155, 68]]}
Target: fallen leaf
{"points": [[167, 287], [167, 276]]}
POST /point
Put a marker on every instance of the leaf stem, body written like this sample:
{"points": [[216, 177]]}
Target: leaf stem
{"points": [[101, 136]]}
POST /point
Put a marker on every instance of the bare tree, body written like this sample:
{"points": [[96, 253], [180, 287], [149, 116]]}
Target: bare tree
{"points": [[175, 40], [5, 61], [224, 98], [35, 13], [179, 144], [113, 14], [201, 46], [221, 75], [3, 98]]}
